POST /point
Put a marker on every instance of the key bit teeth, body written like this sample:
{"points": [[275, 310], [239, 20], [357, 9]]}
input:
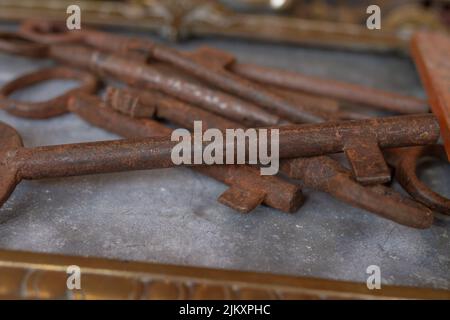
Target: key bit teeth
{"points": [[242, 200], [9, 138]]}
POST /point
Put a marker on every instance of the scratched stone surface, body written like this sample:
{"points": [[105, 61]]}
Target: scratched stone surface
{"points": [[171, 215]]}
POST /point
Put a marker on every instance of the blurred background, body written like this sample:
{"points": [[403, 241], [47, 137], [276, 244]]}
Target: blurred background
{"points": [[329, 23]]}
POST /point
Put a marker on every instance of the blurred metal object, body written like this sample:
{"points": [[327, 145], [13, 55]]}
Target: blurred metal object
{"points": [[56, 106], [431, 51], [179, 19], [406, 162], [32, 275], [320, 173], [13, 43], [346, 92], [397, 15]]}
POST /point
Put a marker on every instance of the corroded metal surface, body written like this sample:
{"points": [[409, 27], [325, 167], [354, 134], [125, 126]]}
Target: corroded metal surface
{"points": [[334, 137], [244, 180], [149, 103], [88, 83], [325, 239], [431, 53], [406, 162], [214, 71], [150, 153], [361, 147], [334, 89], [319, 173], [325, 174], [137, 73], [13, 43]]}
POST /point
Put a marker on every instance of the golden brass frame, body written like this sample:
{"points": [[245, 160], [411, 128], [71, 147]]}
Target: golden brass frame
{"points": [[31, 275]]}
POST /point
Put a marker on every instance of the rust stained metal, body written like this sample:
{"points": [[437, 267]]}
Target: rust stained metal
{"points": [[334, 137], [14, 43], [220, 69], [217, 68], [320, 173], [360, 140], [342, 91], [207, 64], [49, 32], [248, 188], [46, 109], [325, 174], [138, 74], [149, 103], [308, 108], [19, 163], [431, 53], [211, 73], [217, 75], [406, 162]]}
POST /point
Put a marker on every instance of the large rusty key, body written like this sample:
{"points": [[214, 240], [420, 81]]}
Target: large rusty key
{"points": [[218, 77], [431, 52], [320, 173], [361, 146], [247, 188], [17, 162]]}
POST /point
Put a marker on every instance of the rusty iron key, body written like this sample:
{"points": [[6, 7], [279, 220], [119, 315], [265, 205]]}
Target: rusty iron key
{"points": [[342, 91], [248, 188], [229, 79], [212, 70], [137, 73], [325, 174], [14, 43], [202, 63], [304, 113], [221, 69], [297, 82], [210, 73], [50, 108], [19, 163], [406, 162], [361, 144], [320, 173], [308, 109]]}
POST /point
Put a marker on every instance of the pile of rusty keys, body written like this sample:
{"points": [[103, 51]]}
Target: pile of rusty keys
{"points": [[211, 86]]}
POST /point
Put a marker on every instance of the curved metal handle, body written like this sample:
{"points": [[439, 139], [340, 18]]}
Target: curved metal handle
{"points": [[406, 161]]}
